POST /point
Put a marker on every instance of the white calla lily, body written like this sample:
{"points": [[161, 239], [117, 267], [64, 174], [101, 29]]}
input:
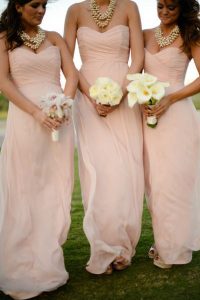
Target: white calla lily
{"points": [[158, 91], [145, 89], [144, 94], [133, 86], [132, 99], [135, 76], [148, 79]]}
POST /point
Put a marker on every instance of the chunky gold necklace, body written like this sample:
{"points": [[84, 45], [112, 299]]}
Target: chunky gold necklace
{"points": [[102, 19], [164, 41], [33, 42]]}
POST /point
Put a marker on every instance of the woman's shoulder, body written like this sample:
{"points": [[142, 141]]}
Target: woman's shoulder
{"points": [[76, 7], [128, 4], [54, 37], [148, 33]]}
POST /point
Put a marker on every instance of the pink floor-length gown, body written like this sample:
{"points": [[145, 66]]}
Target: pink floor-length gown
{"points": [[36, 179], [172, 165], [110, 154]]}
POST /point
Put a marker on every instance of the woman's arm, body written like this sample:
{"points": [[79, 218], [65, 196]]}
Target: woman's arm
{"points": [[187, 91], [136, 42], [70, 31], [14, 95], [67, 65]]}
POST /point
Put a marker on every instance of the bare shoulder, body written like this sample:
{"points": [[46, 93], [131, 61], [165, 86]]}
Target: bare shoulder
{"points": [[131, 6], [75, 8], [149, 36], [148, 32], [54, 37], [131, 9]]}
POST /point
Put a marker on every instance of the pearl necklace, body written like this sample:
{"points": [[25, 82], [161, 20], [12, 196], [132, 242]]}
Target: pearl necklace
{"points": [[33, 42], [168, 40], [102, 19]]}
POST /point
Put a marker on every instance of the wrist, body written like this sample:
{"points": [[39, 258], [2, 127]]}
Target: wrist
{"points": [[35, 111]]}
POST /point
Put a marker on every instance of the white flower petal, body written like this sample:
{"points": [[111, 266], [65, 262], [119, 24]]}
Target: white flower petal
{"points": [[144, 94], [132, 99], [135, 76], [158, 91]]}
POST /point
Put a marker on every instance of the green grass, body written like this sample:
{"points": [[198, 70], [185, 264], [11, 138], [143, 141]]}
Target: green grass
{"points": [[3, 115], [196, 101], [140, 281]]}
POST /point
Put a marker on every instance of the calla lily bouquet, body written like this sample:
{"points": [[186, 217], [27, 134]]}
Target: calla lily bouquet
{"points": [[106, 91], [145, 89], [57, 106]]}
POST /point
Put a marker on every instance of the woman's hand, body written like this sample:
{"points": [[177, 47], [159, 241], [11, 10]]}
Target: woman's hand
{"points": [[46, 121], [104, 110], [157, 110]]}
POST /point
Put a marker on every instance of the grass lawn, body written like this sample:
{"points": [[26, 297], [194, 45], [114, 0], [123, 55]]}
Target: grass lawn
{"points": [[140, 281], [3, 115]]}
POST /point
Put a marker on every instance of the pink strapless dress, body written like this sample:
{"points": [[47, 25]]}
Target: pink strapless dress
{"points": [[110, 154], [36, 178], [172, 165]]}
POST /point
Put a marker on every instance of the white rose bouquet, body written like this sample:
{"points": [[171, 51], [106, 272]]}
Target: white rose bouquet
{"points": [[145, 89], [106, 91], [57, 106]]}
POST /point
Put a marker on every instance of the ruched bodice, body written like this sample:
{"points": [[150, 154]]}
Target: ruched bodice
{"points": [[171, 61], [27, 67], [112, 45]]}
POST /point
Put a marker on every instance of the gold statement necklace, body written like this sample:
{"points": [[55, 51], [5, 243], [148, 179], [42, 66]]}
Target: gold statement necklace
{"points": [[102, 19], [164, 41], [33, 42]]}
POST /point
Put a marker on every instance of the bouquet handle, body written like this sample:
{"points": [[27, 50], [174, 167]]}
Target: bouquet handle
{"points": [[55, 135]]}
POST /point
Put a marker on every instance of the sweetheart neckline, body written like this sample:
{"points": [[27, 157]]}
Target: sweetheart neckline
{"points": [[168, 48], [43, 50], [98, 32]]}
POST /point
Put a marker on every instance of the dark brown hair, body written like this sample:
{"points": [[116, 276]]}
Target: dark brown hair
{"points": [[10, 23], [189, 24]]}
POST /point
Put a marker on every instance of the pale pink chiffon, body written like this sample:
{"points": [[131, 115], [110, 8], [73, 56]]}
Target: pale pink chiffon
{"points": [[36, 179], [172, 165], [110, 154]]}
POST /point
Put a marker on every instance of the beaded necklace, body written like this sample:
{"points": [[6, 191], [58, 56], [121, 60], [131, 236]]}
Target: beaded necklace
{"points": [[33, 42], [164, 41], [102, 19]]}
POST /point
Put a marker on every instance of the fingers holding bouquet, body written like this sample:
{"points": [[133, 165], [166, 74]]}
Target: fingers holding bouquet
{"points": [[144, 89], [160, 108], [46, 121], [104, 110]]}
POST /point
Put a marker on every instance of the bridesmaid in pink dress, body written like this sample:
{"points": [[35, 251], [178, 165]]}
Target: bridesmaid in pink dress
{"points": [[172, 148], [110, 147], [36, 174]]}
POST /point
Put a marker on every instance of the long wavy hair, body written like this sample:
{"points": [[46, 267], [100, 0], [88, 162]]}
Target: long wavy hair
{"points": [[189, 24], [10, 23]]}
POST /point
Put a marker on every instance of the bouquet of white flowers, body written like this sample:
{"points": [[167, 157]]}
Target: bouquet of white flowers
{"points": [[57, 106], [145, 89], [105, 91]]}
